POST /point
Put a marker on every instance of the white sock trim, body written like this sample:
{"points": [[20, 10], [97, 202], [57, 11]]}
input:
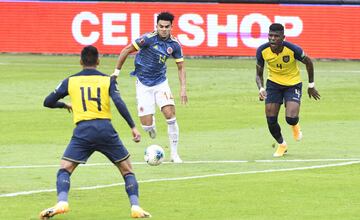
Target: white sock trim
{"points": [[148, 128], [171, 121]]}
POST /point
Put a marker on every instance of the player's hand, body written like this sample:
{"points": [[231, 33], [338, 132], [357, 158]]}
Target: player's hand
{"points": [[115, 74], [68, 106], [136, 135], [262, 94], [183, 96], [313, 93]]}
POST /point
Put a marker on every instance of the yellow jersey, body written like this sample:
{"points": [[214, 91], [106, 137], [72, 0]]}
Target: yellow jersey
{"points": [[90, 92], [282, 68], [89, 96]]}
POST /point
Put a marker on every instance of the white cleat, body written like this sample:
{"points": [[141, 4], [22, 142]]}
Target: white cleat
{"points": [[176, 159]]}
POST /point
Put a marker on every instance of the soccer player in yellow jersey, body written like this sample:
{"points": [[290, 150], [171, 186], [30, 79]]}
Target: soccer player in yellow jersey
{"points": [[90, 92], [283, 83]]}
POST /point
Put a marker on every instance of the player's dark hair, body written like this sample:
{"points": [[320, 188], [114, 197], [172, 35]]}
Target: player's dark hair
{"points": [[276, 27], [165, 16], [89, 56]]}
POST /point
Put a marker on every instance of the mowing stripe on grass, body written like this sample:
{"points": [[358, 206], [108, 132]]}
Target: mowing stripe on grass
{"points": [[186, 178], [193, 162]]}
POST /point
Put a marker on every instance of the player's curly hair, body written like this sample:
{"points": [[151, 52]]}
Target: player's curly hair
{"points": [[165, 16], [89, 55]]}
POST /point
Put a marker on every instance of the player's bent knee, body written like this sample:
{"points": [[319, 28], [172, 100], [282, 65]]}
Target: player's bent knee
{"points": [[292, 121], [168, 111], [63, 172], [68, 165], [272, 120], [124, 167]]}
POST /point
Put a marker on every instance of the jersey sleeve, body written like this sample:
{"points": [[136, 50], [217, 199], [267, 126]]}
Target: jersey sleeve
{"points": [[259, 58], [143, 41], [177, 53], [119, 103], [299, 54], [52, 100]]}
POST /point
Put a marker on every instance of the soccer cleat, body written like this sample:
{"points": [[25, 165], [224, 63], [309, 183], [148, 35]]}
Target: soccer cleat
{"points": [[138, 212], [152, 133], [281, 150], [297, 134], [59, 208], [176, 159]]}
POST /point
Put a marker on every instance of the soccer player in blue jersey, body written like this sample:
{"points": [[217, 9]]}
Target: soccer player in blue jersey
{"points": [[283, 83], [152, 86], [90, 92]]}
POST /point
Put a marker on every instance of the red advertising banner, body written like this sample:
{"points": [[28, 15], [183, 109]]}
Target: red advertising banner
{"points": [[203, 29]]}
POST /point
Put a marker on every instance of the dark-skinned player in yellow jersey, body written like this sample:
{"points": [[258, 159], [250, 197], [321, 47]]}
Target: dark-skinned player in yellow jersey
{"points": [[283, 83]]}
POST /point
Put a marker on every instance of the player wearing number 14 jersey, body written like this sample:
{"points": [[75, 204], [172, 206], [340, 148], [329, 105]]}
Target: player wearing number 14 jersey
{"points": [[283, 83], [90, 92]]}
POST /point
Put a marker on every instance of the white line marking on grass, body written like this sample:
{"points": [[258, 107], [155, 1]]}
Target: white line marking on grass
{"points": [[308, 160], [187, 178], [193, 162]]}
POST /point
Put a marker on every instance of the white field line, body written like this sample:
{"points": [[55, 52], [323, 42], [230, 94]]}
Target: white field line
{"points": [[186, 178], [193, 162]]}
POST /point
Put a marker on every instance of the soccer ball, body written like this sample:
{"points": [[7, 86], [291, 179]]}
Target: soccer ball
{"points": [[154, 155]]}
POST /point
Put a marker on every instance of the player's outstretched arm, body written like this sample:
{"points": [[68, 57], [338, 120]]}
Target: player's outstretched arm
{"points": [[312, 92], [123, 110], [182, 80], [122, 58]]}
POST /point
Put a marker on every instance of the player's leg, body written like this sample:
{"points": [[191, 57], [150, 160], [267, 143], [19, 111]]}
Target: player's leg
{"points": [[148, 124], [292, 105], [145, 98], [272, 106], [165, 101], [272, 111], [78, 151], [109, 144], [292, 118], [62, 188], [132, 189], [173, 132]]}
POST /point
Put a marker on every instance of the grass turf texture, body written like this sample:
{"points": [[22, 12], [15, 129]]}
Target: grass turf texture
{"points": [[223, 121]]}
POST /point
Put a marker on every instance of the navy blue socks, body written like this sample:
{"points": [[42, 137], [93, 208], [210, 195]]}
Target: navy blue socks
{"points": [[132, 188], [63, 185]]}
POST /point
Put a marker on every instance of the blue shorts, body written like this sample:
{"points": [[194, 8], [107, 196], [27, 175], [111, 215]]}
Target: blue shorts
{"points": [[277, 93], [95, 135]]}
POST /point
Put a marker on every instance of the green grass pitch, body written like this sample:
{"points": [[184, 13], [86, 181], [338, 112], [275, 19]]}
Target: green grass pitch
{"points": [[230, 172]]}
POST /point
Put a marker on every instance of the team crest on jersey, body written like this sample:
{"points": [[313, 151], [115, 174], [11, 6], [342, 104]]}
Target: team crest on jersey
{"points": [[169, 50], [141, 41], [286, 59]]}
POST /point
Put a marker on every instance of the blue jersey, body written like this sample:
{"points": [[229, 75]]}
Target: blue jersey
{"points": [[150, 66]]}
